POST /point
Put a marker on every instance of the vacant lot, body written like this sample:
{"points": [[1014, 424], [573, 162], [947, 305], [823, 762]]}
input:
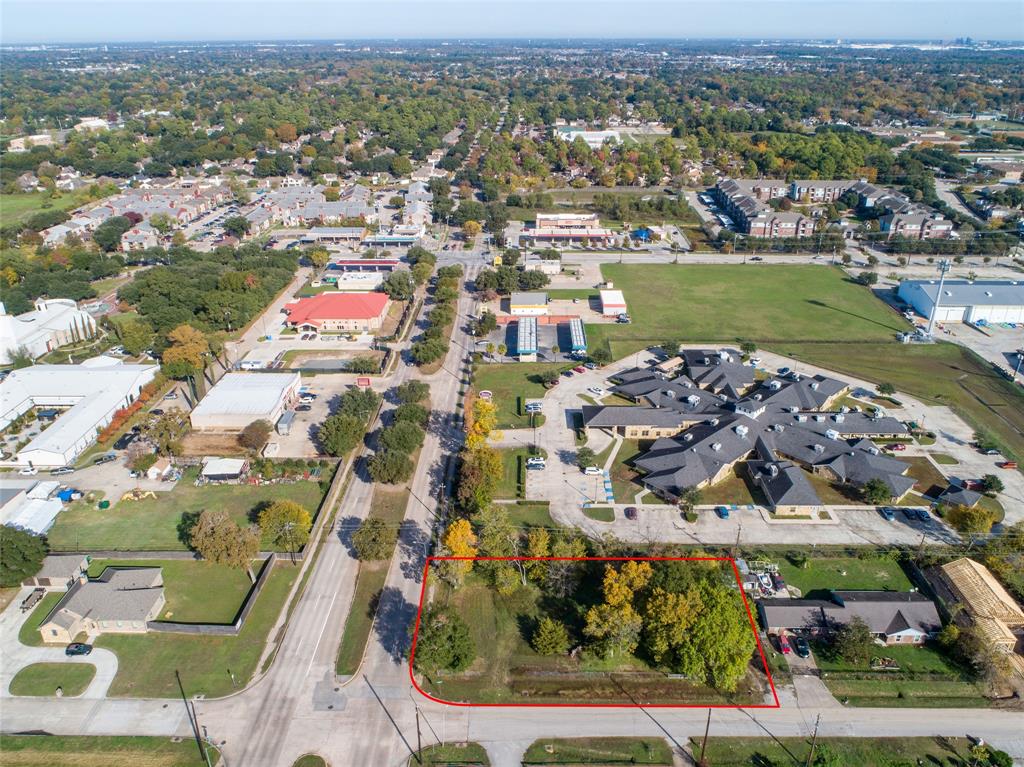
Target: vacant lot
{"points": [[598, 751], [730, 302], [15, 208], [162, 524], [844, 573], [43, 679], [793, 752], [100, 751], [446, 754], [146, 663], [196, 592], [511, 385]]}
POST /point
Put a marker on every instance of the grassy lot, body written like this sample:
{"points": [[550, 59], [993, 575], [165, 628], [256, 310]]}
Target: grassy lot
{"points": [[196, 592], [624, 478], [600, 513], [944, 459], [15, 208], [43, 679], [310, 760], [923, 659], [793, 752], [388, 505], [938, 374], [146, 663], [155, 524], [29, 632], [530, 514], [598, 751], [511, 383], [736, 488], [100, 751], [875, 690], [844, 573], [778, 303], [442, 754], [513, 473], [930, 481], [507, 670]]}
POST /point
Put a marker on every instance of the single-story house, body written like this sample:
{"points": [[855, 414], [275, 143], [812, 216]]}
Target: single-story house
{"points": [[59, 572]]}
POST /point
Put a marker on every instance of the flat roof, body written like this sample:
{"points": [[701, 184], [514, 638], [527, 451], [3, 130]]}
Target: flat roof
{"points": [[577, 334], [612, 298], [526, 336], [529, 299], [964, 293], [255, 394]]}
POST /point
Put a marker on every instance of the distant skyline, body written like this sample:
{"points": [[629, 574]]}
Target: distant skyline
{"points": [[99, 21]]}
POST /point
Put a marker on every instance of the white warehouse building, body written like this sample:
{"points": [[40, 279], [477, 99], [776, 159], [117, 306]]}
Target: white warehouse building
{"points": [[962, 301], [92, 392], [238, 399]]}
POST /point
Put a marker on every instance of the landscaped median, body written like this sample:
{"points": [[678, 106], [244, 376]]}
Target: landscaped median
{"points": [[105, 751], [451, 755], [43, 679], [598, 751]]}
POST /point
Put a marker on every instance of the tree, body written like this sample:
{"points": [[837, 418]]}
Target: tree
{"points": [[185, 353], [396, 201], [412, 413], [689, 498], [220, 540], [459, 541], [135, 335], [399, 286], [237, 226], [747, 347], [667, 619], [108, 234], [867, 278], [875, 490], [318, 257], [255, 435], [165, 432], [479, 474], [990, 483], [602, 355], [421, 272], [339, 434], [359, 402], [550, 638], [487, 323], [413, 391], [402, 437], [21, 555], [585, 457], [482, 422], [548, 377], [390, 467], [287, 524], [886, 388], [162, 222], [444, 642], [471, 229], [970, 520], [374, 539], [853, 641]]}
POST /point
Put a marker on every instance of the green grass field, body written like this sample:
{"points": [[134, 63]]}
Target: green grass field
{"points": [[146, 663], [603, 751], [524, 514], [844, 573], [600, 513], [196, 591], [447, 754], [15, 208], [793, 752], [29, 631], [100, 751], [510, 383], [153, 524], [730, 302], [513, 474], [938, 374], [43, 679]]}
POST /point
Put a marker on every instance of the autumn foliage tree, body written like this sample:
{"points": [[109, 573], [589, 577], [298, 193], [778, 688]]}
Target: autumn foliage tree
{"points": [[459, 541], [185, 353], [287, 524], [219, 539]]}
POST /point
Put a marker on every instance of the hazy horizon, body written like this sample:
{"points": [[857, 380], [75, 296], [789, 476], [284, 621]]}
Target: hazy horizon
{"points": [[55, 22]]}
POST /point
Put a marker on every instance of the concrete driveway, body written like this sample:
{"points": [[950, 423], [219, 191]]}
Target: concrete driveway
{"points": [[14, 656]]}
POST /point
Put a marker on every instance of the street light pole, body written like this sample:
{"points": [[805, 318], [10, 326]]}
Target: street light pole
{"points": [[943, 267]]}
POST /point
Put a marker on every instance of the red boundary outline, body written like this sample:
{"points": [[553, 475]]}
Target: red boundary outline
{"points": [[739, 584]]}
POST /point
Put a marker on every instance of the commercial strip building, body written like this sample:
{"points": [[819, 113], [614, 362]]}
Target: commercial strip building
{"points": [[526, 339], [528, 304], [566, 229], [89, 394], [334, 235], [705, 422], [595, 139], [239, 399], [991, 301], [53, 323], [892, 617], [338, 312], [351, 282], [548, 266]]}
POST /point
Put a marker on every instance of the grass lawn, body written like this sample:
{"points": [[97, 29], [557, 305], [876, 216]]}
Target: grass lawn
{"points": [[730, 302], [793, 752], [600, 513], [513, 473], [875, 690], [388, 505], [921, 659], [442, 754], [146, 663], [15, 208], [624, 479], [196, 592], [153, 524], [598, 751], [930, 481], [43, 679], [844, 573], [736, 488], [29, 632], [944, 459], [310, 760], [100, 751], [511, 383], [938, 374], [530, 514], [107, 284]]}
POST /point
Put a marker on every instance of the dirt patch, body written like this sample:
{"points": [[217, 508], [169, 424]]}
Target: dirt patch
{"points": [[212, 443], [390, 324]]}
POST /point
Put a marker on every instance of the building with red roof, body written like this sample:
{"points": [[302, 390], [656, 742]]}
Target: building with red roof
{"points": [[338, 312]]}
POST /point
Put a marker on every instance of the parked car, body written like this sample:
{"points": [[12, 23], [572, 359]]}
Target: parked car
{"points": [[802, 647], [156, 411], [784, 646], [125, 440], [784, 371], [105, 458], [171, 395], [579, 369], [535, 462], [922, 515], [896, 447], [722, 511], [590, 365], [303, 408], [756, 258], [630, 512], [568, 373], [908, 512], [63, 470], [77, 648], [777, 582], [29, 471], [887, 513], [1007, 465], [597, 391], [592, 470]]}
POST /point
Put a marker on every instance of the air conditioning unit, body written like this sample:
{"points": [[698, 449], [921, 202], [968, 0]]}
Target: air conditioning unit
{"points": [[839, 417], [741, 430], [832, 434], [716, 446]]}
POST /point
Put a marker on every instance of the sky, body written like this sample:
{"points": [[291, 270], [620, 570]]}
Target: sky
{"points": [[53, 21]]}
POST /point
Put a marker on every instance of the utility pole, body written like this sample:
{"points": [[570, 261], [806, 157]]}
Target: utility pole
{"points": [[704, 743], [943, 267], [814, 742], [419, 737]]}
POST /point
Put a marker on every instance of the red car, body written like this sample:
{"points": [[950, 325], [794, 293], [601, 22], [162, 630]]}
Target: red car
{"points": [[896, 447], [784, 645], [580, 369]]}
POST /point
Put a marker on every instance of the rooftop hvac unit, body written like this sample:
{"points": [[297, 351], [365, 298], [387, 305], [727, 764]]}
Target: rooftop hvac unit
{"points": [[797, 376], [773, 470], [819, 448], [774, 385], [693, 399], [839, 417], [874, 450], [716, 446], [844, 409], [814, 386], [687, 438], [757, 397], [832, 434], [792, 409], [741, 430], [778, 427], [819, 418], [713, 422], [670, 394], [801, 418]]}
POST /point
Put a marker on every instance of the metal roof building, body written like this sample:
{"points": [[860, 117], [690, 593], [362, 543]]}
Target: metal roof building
{"points": [[238, 399], [526, 339], [577, 335], [963, 301]]}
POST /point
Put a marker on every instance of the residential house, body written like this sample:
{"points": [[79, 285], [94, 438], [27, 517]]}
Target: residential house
{"points": [[121, 601]]}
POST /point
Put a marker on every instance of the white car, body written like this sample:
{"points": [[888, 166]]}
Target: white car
{"points": [[535, 463], [592, 470], [597, 391], [29, 471]]}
